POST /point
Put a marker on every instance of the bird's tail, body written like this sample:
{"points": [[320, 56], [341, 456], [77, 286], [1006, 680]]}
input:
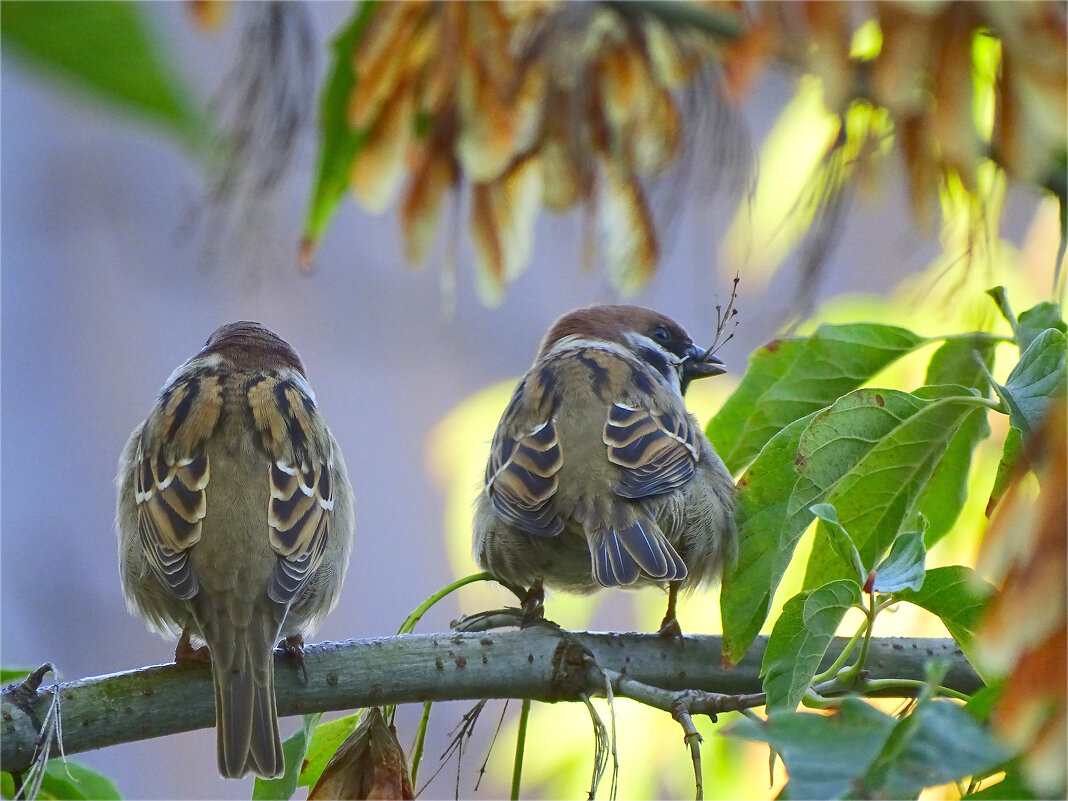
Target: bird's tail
{"points": [[632, 545], [246, 715]]}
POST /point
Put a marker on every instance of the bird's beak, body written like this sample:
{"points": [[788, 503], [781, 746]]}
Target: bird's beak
{"points": [[701, 364]]}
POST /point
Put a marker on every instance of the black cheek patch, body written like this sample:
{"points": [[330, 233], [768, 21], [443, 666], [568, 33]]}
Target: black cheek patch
{"points": [[657, 359]]}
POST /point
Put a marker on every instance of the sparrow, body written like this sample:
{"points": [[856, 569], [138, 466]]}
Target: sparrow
{"points": [[235, 522], [598, 476]]}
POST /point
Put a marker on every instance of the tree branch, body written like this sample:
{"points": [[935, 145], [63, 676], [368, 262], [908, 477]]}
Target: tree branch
{"points": [[540, 663]]}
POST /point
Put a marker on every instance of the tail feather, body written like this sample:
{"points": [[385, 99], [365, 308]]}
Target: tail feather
{"points": [[246, 715], [633, 547]]}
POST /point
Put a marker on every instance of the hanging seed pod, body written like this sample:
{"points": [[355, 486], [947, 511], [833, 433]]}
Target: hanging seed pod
{"points": [[369, 764]]}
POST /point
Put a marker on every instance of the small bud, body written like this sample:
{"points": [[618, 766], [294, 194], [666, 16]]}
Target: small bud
{"points": [[369, 764], [870, 583]]}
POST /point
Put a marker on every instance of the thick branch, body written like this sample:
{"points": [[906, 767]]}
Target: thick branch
{"points": [[538, 663]]}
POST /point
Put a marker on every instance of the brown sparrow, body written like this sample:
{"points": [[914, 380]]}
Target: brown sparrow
{"points": [[598, 476], [235, 523]]}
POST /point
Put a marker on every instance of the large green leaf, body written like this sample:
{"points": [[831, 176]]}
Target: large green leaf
{"points": [[764, 528], [824, 754], [957, 595], [338, 142], [326, 739], [947, 490], [1037, 378], [73, 780], [766, 366], [109, 50], [878, 492], [833, 361], [800, 639], [938, 743], [294, 749]]}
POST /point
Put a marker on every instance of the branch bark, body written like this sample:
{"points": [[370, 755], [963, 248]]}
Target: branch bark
{"points": [[538, 663]]}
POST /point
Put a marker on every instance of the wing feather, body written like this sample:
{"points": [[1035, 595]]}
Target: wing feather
{"points": [[657, 452]]}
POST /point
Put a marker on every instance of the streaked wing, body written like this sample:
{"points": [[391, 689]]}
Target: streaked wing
{"points": [[521, 478], [301, 481], [657, 452], [173, 472]]}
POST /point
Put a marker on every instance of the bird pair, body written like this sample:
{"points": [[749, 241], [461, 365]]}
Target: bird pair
{"points": [[235, 513]]}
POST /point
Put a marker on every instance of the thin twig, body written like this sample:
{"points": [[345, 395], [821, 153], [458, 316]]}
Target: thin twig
{"points": [[693, 740]]}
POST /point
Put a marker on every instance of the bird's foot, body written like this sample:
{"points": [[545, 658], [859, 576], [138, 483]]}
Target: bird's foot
{"points": [[186, 654], [533, 605], [293, 647]]}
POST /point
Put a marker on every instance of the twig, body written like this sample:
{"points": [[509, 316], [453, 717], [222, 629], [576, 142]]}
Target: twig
{"points": [[693, 740]]}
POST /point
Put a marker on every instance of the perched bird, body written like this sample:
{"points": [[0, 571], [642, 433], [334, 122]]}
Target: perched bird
{"points": [[598, 476], [235, 522]]}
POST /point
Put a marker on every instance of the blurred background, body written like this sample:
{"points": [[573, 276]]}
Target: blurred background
{"points": [[122, 250]]}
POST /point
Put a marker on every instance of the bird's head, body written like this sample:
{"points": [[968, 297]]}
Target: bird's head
{"points": [[653, 337]]}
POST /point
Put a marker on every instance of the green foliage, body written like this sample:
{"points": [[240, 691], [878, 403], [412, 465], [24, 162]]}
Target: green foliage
{"points": [[8, 675], [860, 752], [108, 49], [797, 378], [325, 740], [294, 749], [800, 639], [66, 779], [903, 566], [957, 595], [838, 538], [882, 458]]}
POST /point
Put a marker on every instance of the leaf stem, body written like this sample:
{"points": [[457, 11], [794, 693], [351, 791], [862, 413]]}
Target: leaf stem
{"points": [[420, 740], [832, 671], [520, 745], [410, 622], [895, 684]]}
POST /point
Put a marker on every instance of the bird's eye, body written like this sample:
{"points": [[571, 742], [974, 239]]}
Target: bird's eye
{"points": [[661, 333]]}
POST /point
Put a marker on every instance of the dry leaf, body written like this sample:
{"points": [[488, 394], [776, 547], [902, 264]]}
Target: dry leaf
{"points": [[369, 764], [1023, 633]]}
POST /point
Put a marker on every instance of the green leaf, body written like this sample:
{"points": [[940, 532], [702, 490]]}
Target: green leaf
{"points": [[1001, 300], [338, 142], [1010, 455], [954, 361], [109, 50], [325, 740], [8, 675], [938, 743], [903, 566], [7, 785], [1036, 320], [839, 539], [294, 749], [766, 366], [876, 494], [823, 754], [833, 361], [947, 490], [764, 529], [1035, 380], [957, 595], [800, 639], [75, 781]]}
